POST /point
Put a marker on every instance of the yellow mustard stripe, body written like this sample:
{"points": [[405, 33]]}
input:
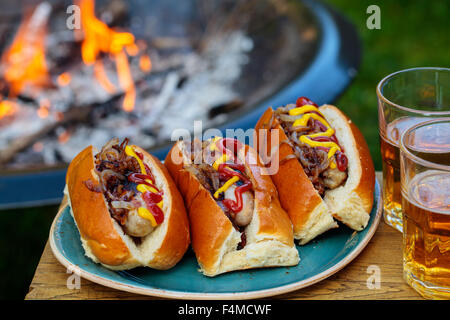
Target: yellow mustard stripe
{"points": [[145, 214], [333, 165], [303, 121], [332, 151], [225, 186], [143, 188], [304, 109], [129, 151], [327, 133], [213, 146], [312, 143], [220, 160]]}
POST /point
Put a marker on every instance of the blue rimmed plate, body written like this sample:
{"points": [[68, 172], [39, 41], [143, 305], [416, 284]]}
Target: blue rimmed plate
{"points": [[320, 259]]}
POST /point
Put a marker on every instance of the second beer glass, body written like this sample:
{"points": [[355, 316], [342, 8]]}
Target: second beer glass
{"points": [[406, 98]]}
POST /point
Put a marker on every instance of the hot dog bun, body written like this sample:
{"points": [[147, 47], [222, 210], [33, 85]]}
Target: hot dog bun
{"points": [[350, 203], [214, 239], [104, 240]]}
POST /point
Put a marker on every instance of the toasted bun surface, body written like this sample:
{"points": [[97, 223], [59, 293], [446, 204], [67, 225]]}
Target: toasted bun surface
{"points": [[352, 202], [91, 214], [104, 240], [309, 213], [214, 239]]}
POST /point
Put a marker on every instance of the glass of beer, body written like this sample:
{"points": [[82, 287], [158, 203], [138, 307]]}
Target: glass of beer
{"points": [[406, 98], [425, 193]]}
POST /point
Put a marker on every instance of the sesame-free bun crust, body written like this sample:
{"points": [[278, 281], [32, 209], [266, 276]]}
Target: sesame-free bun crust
{"points": [[214, 239], [310, 214], [103, 238], [352, 202]]}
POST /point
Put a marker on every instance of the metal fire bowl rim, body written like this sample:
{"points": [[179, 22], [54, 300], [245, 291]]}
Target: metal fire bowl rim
{"points": [[337, 60]]}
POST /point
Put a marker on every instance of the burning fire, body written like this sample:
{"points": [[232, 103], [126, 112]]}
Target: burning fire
{"points": [[23, 63], [7, 108], [98, 39]]}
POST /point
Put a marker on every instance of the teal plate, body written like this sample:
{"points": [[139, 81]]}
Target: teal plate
{"points": [[320, 259]]}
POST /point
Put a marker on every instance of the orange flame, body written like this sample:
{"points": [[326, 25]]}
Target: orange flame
{"points": [[24, 61], [100, 74], [7, 108], [98, 39]]}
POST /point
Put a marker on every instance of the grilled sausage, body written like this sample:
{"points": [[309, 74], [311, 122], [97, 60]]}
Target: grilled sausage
{"points": [[244, 216]]}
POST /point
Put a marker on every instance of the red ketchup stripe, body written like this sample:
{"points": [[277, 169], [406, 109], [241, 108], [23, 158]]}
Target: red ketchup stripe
{"points": [[224, 144], [226, 173], [341, 158], [321, 139], [140, 155], [230, 147], [341, 161], [326, 139], [140, 178], [151, 199], [319, 125], [303, 101], [237, 205]]}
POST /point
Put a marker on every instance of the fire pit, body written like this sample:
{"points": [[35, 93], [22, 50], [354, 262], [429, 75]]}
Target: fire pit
{"points": [[141, 69]]}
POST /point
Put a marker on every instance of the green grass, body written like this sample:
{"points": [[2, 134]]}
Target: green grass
{"points": [[23, 234], [412, 34]]}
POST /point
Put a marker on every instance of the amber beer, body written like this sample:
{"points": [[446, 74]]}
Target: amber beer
{"points": [[404, 98], [426, 229], [425, 193], [390, 154]]}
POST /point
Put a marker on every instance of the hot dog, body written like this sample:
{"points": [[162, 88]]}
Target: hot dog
{"points": [[126, 207], [325, 169], [235, 216]]}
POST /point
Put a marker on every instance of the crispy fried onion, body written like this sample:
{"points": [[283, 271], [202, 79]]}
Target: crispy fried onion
{"points": [[314, 161], [113, 165]]}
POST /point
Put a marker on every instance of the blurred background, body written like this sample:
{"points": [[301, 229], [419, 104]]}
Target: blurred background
{"points": [[412, 34]]}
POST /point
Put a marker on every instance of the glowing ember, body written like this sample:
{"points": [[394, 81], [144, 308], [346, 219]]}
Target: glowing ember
{"points": [[7, 108], [38, 146], [145, 63], [64, 79], [63, 137], [99, 38], [44, 106], [132, 49]]}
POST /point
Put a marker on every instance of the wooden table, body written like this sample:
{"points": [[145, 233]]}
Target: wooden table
{"points": [[384, 251]]}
